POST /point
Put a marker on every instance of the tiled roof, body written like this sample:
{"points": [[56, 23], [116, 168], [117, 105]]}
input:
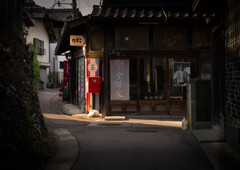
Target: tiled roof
{"points": [[62, 15], [38, 14], [145, 13], [27, 20]]}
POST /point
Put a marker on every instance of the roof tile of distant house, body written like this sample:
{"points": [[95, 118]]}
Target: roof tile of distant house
{"points": [[37, 12], [142, 13], [62, 15]]}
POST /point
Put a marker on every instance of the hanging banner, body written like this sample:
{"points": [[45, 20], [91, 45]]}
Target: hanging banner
{"points": [[119, 70]]}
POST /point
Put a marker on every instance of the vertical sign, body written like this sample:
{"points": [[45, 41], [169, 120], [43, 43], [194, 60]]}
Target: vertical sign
{"points": [[65, 73], [119, 77], [92, 67]]}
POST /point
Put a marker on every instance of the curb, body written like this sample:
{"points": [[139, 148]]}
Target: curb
{"points": [[67, 151]]}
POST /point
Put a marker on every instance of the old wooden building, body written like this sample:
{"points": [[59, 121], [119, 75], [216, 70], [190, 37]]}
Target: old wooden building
{"points": [[145, 52]]}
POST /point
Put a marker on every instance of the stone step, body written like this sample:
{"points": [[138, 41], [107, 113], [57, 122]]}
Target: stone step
{"points": [[115, 117]]}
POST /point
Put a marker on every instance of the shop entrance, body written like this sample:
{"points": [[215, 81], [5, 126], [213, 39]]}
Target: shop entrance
{"points": [[150, 85]]}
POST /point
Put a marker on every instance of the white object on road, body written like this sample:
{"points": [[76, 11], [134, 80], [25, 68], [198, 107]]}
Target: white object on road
{"points": [[184, 124], [94, 113]]}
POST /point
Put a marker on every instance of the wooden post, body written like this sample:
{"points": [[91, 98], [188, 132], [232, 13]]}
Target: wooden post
{"points": [[74, 4]]}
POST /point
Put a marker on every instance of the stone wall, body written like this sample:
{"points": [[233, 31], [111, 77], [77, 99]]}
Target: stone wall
{"points": [[232, 74], [19, 100], [232, 106]]}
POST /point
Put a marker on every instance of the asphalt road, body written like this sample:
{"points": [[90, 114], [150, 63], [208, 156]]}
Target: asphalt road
{"points": [[115, 146]]}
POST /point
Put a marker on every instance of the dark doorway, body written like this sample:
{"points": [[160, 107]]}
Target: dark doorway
{"points": [[218, 60]]}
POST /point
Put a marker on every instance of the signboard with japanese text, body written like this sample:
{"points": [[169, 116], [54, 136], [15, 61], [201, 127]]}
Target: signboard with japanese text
{"points": [[119, 80], [92, 67], [77, 40]]}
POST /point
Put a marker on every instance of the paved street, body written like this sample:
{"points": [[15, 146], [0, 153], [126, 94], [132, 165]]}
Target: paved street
{"points": [[117, 146], [45, 98], [137, 148]]}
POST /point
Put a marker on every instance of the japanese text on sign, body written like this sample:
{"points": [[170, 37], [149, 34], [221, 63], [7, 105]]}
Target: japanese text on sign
{"points": [[76, 40]]}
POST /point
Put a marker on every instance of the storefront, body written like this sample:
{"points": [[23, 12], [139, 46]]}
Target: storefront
{"points": [[93, 100], [152, 85], [82, 69], [144, 59], [150, 65]]}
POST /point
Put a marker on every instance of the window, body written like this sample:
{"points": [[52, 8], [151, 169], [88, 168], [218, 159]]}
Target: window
{"points": [[39, 45], [152, 79], [61, 64]]}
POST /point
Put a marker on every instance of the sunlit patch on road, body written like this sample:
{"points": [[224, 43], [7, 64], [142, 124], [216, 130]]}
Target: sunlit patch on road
{"points": [[129, 123]]}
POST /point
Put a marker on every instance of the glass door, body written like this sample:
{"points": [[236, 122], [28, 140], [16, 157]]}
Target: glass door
{"points": [[152, 84]]}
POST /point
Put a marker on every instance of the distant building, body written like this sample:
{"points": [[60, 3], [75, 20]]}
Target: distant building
{"points": [[136, 45], [133, 46], [51, 65], [41, 35], [58, 17]]}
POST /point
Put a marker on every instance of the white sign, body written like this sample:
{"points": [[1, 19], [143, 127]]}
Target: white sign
{"points": [[119, 78], [77, 40], [92, 67]]}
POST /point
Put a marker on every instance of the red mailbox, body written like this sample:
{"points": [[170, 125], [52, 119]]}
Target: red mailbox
{"points": [[94, 84]]}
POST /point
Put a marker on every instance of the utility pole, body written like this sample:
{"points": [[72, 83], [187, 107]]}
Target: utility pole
{"points": [[74, 4]]}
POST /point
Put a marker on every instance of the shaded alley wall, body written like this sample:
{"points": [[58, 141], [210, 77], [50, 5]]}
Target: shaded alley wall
{"points": [[232, 74], [19, 100]]}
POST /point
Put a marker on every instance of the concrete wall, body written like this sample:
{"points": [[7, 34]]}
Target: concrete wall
{"points": [[55, 64], [59, 71], [52, 55]]}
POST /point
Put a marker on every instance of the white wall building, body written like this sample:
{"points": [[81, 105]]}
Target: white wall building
{"points": [[38, 35], [56, 62], [41, 34]]}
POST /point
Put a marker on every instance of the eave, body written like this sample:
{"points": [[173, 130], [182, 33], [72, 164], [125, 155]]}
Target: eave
{"points": [[69, 28]]}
